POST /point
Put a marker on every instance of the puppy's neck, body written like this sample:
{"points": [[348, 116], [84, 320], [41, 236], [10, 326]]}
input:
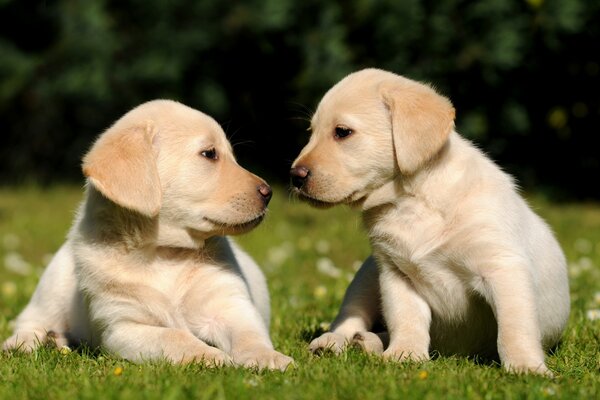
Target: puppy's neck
{"points": [[170, 235], [385, 194], [103, 221]]}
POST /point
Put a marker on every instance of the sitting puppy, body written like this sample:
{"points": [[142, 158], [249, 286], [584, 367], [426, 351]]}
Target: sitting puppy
{"points": [[145, 272], [460, 263]]}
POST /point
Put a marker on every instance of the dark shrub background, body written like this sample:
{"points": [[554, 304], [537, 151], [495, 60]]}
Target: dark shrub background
{"points": [[523, 75]]}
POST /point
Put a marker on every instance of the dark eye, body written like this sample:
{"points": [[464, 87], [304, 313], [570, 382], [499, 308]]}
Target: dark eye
{"points": [[210, 154], [342, 131]]}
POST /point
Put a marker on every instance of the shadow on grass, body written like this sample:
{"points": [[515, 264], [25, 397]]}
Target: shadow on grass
{"points": [[309, 333]]}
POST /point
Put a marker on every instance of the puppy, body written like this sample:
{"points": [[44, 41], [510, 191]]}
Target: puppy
{"points": [[460, 263], [146, 271]]}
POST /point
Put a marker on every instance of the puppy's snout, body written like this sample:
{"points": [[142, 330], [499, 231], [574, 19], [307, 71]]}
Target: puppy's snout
{"points": [[265, 192], [299, 176]]}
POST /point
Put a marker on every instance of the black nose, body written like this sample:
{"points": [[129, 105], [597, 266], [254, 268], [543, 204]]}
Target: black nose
{"points": [[299, 175], [265, 192]]}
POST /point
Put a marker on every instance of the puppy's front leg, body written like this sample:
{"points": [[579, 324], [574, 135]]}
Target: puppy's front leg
{"points": [[510, 291], [137, 342], [250, 342], [407, 315], [359, 311]]}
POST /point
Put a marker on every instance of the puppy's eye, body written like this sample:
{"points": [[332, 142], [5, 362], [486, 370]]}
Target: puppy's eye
{"points": [[342, 132], [211, 154]]}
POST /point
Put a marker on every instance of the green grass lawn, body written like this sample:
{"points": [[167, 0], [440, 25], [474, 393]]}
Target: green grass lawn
{"points": [[309, 257]]}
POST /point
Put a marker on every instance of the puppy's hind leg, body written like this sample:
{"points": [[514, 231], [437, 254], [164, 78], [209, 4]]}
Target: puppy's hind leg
{"points": [[359, 311], [509, 290], [47, 317]]}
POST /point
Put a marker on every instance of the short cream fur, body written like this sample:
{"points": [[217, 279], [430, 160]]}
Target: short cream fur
{"points": [[146, 271], [460, 263]]}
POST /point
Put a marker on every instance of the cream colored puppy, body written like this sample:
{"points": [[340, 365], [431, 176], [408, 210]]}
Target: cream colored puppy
{"points": [[460, 263], [145, 271]]}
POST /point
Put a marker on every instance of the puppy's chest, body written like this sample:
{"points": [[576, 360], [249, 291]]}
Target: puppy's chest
{"points": [[411, 231], [413, 238], [162, 285], [179, 279]]}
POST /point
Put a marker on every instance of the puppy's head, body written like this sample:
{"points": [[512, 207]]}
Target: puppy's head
{"points": [[166, 160], [370, 127]]}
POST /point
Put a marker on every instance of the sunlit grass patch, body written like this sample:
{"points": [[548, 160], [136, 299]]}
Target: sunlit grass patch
{"points": [[309, 256]]}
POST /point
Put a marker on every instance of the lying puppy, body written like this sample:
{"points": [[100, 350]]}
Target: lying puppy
{"points": [[145, 271], [460, 263]]}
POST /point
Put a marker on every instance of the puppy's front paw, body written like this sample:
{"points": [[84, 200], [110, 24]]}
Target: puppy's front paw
{"points": [[399, 354], [521, 360], [264, 359], [210, 357], [333, 342], [24, 341], [529, 368], [369, 342]]}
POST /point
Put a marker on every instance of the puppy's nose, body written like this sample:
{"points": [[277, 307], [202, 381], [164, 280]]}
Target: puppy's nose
{"points": [[299, 175], [265, 192]]}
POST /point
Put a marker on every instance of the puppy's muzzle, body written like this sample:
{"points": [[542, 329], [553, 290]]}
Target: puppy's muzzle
{"points": [[299, 176]]}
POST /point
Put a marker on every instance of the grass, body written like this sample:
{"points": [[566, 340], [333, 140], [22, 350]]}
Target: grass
{"points": [[309, 257]]}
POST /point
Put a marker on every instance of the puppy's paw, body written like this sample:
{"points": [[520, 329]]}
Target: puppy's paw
{"points": [[24, 341], [397, 354], [520, 360], [210, 357], [264, 359], [369, 342], [530, 368], [328, 342]]}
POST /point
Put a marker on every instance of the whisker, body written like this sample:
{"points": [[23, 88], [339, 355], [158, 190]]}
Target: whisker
{"points": [[308, 112], [242, 143]]}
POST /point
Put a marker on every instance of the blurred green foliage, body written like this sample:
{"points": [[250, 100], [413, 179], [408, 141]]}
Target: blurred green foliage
{"points": [[523, 74]]}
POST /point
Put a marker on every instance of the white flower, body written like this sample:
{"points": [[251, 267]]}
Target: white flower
{"points": [[252, 381], [14, 262], [322, 246], [593, 314], [581, 265], [278, 255], [548, 391], [326, 267], [574, 270], [586, 263]]}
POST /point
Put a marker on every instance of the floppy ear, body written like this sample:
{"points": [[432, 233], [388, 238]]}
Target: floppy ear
{"points": [[122, 166], [421, 122]]}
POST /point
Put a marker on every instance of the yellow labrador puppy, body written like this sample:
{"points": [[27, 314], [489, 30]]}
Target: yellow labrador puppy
{"points": [[145, 271], [460, 263]]}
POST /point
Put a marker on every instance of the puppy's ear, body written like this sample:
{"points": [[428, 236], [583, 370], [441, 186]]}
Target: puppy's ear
{"points": [[421, 122], [122, 166]]}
